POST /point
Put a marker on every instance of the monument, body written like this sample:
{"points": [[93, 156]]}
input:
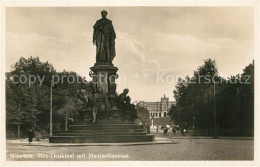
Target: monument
{"points": [[107, 116]]}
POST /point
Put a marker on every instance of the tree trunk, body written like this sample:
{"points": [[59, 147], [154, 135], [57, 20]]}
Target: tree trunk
{"points": [[18, 131], [66, 121]]}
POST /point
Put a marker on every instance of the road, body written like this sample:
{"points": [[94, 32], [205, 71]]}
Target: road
{"points": [[183, 149]]}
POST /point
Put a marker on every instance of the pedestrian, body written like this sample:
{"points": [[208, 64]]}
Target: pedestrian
{"points": [[174, 130], [164, 131], [177, 128], [30, 136], [167, 129], [186, 127], [148, 128], [157, 128], [182, 131]]}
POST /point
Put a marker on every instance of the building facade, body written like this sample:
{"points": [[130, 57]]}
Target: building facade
{"points": [[157, 109]]}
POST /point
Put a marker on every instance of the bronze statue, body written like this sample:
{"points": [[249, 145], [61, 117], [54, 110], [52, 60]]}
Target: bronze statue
{"points": [[104, 38], [102, 99], [124, 100], [89, 101], [83, 96], [93, 105]]}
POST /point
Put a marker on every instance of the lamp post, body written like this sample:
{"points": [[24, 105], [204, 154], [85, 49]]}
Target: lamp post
{"points": [[193, 127], [215, 136], [51, 109]]}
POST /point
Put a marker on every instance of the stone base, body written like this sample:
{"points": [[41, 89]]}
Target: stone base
{"points": [[102, 139], [110, 130]]}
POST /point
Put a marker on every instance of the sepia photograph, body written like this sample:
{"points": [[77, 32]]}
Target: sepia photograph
{"points": [[131, 83]]}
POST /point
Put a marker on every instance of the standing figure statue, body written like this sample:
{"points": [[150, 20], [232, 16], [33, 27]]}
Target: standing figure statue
{"points": [[93, 105], [104, 38], [89, 101]]}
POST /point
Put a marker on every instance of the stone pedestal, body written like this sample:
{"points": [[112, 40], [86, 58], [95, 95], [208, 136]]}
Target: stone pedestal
{"points": [[104, 76]]}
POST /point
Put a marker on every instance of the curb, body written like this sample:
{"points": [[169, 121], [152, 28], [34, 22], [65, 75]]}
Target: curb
{"points": [[98, 144], [230, 138]]}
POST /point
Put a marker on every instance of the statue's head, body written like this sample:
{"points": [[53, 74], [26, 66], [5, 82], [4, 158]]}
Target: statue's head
{"points": [[126, 91], [104, 13]]}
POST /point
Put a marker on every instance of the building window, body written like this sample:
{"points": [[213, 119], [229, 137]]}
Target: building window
{"points": [[160, 115], [156, 115], [164, 114]]}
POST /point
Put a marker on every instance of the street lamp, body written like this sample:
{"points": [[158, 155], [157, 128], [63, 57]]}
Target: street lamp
{"points": [[215, 136], [51, 109]]}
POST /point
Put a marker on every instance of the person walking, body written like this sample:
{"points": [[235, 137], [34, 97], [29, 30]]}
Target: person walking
{"points": [[167, 129], [148, 128], [30, 136], [174, 130]]}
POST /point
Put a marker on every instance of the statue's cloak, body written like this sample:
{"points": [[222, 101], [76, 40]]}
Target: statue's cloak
{"points": [[104, 39]]}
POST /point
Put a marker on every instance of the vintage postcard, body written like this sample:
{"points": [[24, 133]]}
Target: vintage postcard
{"points": [[129, 83]]}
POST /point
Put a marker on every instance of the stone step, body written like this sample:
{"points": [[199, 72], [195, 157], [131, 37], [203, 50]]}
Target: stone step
{"points": [[102, 139], [105, 133], [106, 126], [102, 131], [106, 121]]}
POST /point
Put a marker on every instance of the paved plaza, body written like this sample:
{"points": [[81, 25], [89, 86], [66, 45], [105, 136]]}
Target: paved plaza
{"points": [[183, 148]]}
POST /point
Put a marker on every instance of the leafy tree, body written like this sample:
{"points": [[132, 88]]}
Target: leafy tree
{"points": [[143, 115], [234, 100], [28, 105]]}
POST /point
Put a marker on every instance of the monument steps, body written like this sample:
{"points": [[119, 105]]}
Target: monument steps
{"points": [[106, 126], [105, 121], [84, 132], [102, 139], [101, 134], [103, 130]]}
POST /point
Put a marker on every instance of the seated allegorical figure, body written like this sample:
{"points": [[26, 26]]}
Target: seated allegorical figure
{"points": [[124, 100]]}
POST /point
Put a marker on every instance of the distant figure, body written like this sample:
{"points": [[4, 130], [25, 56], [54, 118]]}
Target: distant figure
{"points": [[148, 128], [174, 130], [165, 131], [157, 128], [185, 127], [30, 136], [177, 127]]}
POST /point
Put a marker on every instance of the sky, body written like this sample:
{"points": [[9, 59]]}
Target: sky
{"points": [[154, 45]]}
